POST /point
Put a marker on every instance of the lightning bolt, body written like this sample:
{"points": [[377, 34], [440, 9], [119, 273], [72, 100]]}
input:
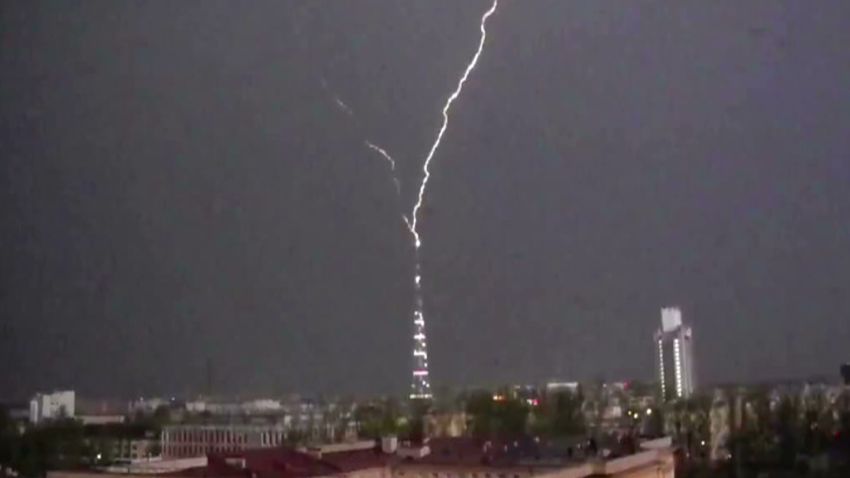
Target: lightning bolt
{"points": [[337, 100], [414, 215], [374, 147], [344, 107], [391, 161], [422, 386], [382, 152]]}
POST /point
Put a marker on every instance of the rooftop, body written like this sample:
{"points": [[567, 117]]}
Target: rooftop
{"points": [[287, 463], [465, 453], [524, 451]]}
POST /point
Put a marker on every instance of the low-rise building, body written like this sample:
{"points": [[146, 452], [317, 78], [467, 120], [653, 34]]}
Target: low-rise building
{"points": [[183, 441], [442, 458], [441, 425], [260, 406], [101, 419], [133, 450], [147, 406], [558, 387]]}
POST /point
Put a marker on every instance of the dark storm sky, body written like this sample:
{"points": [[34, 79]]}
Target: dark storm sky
{"points": [[178, 184]]}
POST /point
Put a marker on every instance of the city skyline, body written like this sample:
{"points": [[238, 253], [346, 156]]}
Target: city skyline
{"points": [[187, 184]]}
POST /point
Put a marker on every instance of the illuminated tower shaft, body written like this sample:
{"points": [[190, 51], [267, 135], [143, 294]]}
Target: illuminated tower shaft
{"points": [[420, 387]]}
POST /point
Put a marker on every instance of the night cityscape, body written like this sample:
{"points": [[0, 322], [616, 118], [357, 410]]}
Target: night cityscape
{"points": [[385, 239]]}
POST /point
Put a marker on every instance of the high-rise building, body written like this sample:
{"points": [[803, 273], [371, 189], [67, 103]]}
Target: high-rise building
{"points": [[674, 350], [49, 406], [420, 387]]}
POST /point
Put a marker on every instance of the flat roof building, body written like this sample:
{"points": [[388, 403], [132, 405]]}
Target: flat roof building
{"points": [[441, 458]]}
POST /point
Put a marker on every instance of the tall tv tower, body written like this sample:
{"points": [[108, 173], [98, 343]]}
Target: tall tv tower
{"points": [[420, 387]]}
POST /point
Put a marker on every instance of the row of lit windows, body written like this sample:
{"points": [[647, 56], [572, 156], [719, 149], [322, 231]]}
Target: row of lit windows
{"points": [[661, 366], [214, 436], [677, 356], [198, 450], [272, 438]]}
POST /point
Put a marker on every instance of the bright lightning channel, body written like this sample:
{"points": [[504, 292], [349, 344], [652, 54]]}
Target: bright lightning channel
{"points": [[382, 152], [422, 387], [337, 100], [425, 167], [344, 107], [393, 175]]}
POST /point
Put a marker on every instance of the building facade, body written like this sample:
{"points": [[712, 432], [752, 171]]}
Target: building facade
{"points": [[185, 441], [446, 424], [50, 406], [441, 458], [674, 356], [136, 449]]}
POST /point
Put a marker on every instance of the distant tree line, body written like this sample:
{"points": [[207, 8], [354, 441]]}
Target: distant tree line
{"points": [[553, 415], [66, 443]]}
